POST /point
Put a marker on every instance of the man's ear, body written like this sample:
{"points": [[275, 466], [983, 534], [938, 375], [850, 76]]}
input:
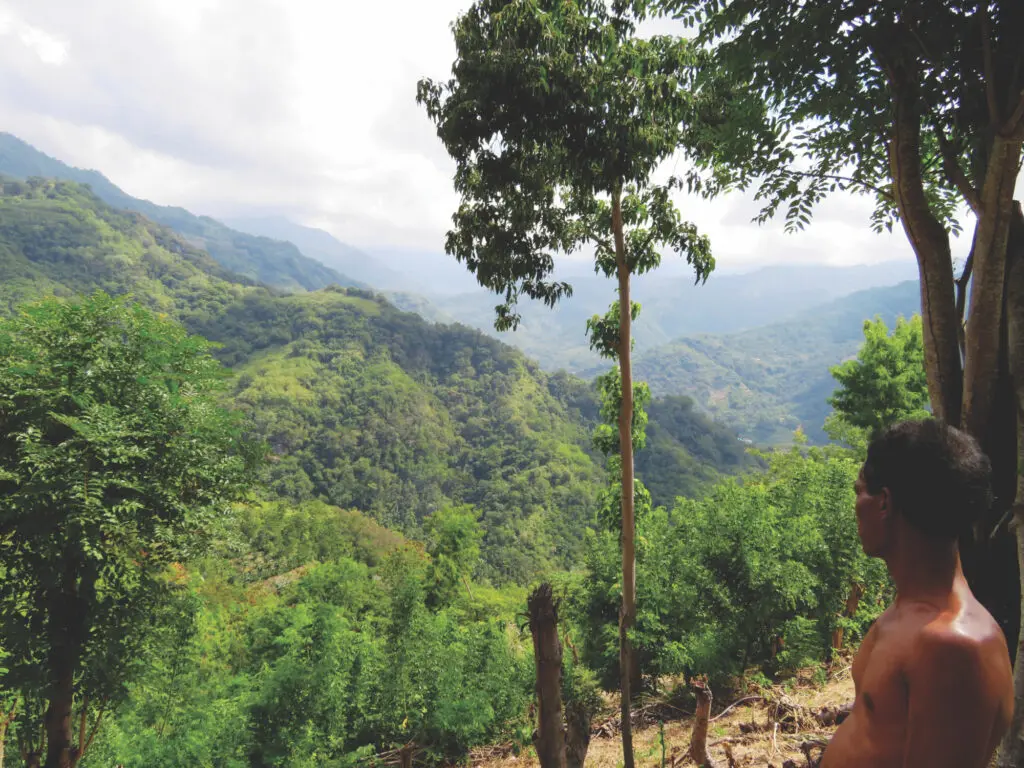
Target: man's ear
{"points": [[885, 503]]}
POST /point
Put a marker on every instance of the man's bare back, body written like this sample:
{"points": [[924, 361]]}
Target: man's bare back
{"points": [[934, 688]]}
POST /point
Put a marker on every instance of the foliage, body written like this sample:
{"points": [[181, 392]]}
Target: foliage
{"points": [[453, 542], [365, 406], [586, 108], [334, 661], [830, 72], [116, 463], [724, 583], [884, 384]]}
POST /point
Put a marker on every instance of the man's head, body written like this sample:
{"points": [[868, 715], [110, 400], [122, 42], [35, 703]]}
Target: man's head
{"points": [[925, 475]]}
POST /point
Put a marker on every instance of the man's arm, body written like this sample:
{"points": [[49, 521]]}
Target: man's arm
{"points": [[952, 706]]}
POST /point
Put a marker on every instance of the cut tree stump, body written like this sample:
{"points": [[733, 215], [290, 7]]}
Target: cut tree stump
{"points": [[698, 751]]}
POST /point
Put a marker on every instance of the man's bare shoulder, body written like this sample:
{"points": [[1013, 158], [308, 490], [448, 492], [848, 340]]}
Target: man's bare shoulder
{"points": [[966, 646]]}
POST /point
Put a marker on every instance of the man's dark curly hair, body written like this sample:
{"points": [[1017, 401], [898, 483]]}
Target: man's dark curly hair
{"points": [[938, 476]]}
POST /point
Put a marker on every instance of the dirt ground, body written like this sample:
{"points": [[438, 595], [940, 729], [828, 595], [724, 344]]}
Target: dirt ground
{"points": [[760, 749]]}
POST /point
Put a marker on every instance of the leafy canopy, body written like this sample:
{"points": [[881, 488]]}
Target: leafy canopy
{"points": [[553, 108], [116, 462], [829, 70], [886, 382]]}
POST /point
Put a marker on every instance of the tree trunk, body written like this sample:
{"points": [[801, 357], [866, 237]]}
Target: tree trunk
{"points": [[930, 242], [577, 734], [4, 727], [627, 616], [1011, 751], [547, 653], [985, 316], [852, 603], [63, 658], [974, 402]]}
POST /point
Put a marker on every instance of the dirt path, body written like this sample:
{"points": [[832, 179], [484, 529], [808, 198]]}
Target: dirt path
{"points": [[758, 749]]}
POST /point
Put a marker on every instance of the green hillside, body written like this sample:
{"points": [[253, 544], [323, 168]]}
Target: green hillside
{"points": [[767, 382], [273, 262], [364, 406]]}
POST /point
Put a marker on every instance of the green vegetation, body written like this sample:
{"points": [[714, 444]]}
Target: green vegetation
{"points": [[363, 406], [885, 384], [116, 463], [298, 631], [754, 576], [561, 157], [353, 652]]}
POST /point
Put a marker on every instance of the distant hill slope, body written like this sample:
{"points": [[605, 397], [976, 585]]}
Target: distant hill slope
{"points": [[672, 307], [364, 406], [273, 262], [325, 248], [768, 381]]}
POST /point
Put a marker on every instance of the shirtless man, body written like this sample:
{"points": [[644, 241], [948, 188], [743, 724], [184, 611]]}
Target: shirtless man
{"points": [[933, 679]]}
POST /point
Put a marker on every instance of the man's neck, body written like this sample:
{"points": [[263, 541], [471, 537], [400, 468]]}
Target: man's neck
{"points": [[924, 570]]}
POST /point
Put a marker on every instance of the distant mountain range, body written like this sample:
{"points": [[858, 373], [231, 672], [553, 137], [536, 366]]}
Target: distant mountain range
{"points": [[751, 349]]}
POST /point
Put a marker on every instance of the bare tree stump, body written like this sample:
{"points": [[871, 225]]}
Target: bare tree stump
{"points": [[577, 734], [549, 738], [699, 738]]}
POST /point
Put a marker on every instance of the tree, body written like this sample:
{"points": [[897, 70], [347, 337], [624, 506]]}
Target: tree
{"points": [[557, 116], [883, 385], [921, 105], [453, 543], [116, 462]]}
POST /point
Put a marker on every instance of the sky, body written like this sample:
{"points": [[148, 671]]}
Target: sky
{"points": [[301, 108]]}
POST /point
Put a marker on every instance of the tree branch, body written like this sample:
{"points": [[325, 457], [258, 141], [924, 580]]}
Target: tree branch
{"points": [[95, 729], [847, 180], [961, 298], [986, 52], [955, 173], [1014, 127], [606, 244]]}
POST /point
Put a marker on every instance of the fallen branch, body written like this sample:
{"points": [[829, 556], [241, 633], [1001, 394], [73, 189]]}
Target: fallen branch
{"points": [[735, 704]]}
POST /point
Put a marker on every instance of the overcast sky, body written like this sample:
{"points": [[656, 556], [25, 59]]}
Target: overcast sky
{"points": [[304, 108]]}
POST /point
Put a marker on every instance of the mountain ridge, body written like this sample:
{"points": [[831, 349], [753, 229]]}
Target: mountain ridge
{"points": [[277, 263]]}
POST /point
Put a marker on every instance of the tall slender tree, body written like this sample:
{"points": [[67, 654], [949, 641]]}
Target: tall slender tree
{"points": [[557, 116], [919, 104]]}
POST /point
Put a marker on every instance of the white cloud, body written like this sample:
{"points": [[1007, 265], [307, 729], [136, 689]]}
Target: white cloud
{"points": [[299, 107]]}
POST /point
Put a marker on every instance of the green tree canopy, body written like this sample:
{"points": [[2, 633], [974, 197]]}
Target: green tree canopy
{"points": [[116, 462], [884, 384]]}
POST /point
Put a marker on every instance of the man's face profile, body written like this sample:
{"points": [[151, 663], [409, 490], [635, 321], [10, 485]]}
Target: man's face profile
{"points": [[872, 512]]}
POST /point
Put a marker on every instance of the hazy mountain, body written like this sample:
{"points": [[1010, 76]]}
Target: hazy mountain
{"points": [[273, 262], [672, 306], [325, 248]]}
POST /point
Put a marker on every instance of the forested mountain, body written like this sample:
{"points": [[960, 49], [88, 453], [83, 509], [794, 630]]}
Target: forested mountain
{"points": [[363, 405], [273, 262], [768, 381]]}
